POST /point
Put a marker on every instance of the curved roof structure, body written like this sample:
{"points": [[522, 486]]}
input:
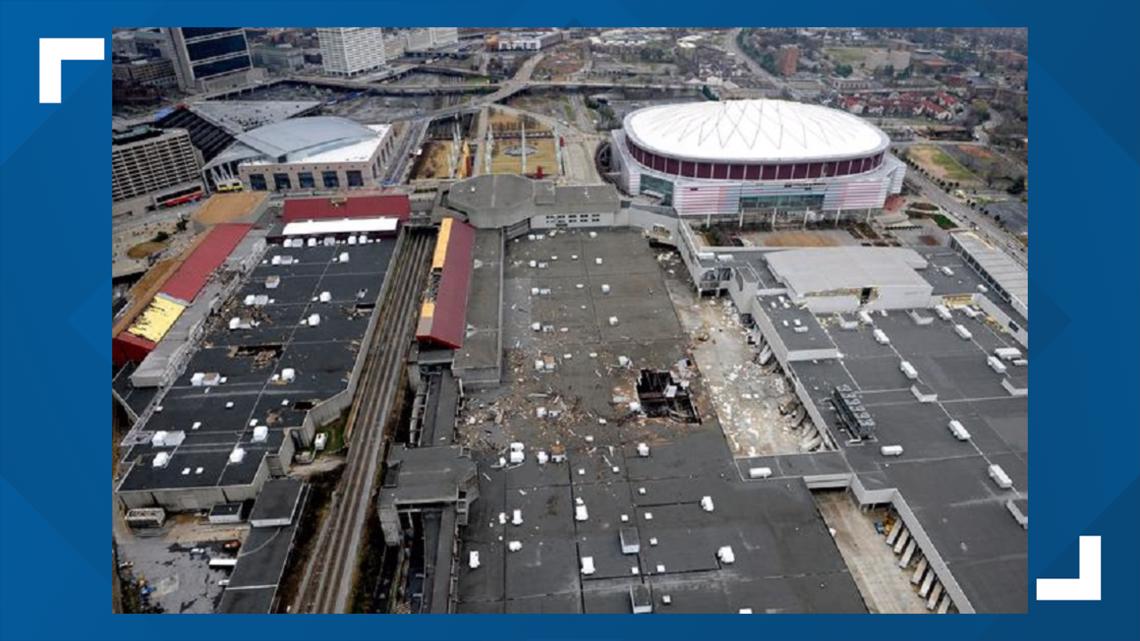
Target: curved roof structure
{"points": [[749, 131], [300, 139]]}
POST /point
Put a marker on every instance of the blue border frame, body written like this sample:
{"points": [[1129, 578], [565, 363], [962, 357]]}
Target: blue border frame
{"points": [[1085, 156]]}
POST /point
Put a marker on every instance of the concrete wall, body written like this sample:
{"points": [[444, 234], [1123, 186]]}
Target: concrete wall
{"points": [[1021, 334]]}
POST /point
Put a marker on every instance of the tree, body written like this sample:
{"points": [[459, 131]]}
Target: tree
{"points": [[1017, 187], [843, 70]]}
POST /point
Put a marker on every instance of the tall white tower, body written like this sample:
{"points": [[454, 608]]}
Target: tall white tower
{"points": [[348, 51]]}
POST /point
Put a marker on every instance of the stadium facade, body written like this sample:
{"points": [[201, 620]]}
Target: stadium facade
{"points": [[768, 157]]}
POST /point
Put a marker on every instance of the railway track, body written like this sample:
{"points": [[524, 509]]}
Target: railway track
{"points": [[327, 583]]}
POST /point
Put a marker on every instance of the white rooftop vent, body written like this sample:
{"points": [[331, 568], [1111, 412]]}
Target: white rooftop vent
{"points": [[1001, 479], [613, 320], [588, 565], [958, 430], [996, 364], [891, 450], [605, 288], [260, 434], [1008, 353], [725, 555], [237, 456], [163, 438]]}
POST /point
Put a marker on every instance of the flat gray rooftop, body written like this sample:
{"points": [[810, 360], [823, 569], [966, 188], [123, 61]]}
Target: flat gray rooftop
{"points": [[481, 347], [217, 418], [659, 495], [944, 481]]}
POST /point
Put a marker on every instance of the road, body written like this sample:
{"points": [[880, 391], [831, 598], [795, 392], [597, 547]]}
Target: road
{"points": [[413, 136], [760, 72], [985, 225]]}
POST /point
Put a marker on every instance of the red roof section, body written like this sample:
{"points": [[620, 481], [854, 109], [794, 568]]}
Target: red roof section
{"points": [[128, 348], [196, 270], [448, 324], [396, 205]]}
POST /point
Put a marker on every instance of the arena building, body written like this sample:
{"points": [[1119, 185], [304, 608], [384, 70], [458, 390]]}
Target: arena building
{"points": [[317, 153], [774, 158]]}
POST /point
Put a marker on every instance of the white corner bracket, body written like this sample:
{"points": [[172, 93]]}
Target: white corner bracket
{"points": [[1086, 587], [53, 51]]}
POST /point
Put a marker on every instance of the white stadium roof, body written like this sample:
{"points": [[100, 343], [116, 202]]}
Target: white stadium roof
{"points": [[316, 139], [751, 131]]}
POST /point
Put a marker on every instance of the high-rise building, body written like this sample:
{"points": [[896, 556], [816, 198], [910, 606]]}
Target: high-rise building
{"points": [[149, 166], [430, 38], [348, 51], [787, 60], [211, 58]]}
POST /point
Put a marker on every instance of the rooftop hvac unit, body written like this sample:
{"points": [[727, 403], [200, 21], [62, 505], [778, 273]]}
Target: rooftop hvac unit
{"points": [[237, 455], [329, 241], [962, 332], [970, 312], [958, 431], [943, 312], [161, 459], [1001, 479], [580, 513], [605, 288], [613, 320], [320, 441], [260, 434], [881, 337], [707, 504], [271, 282], [473, 560], [801, 329], [726, 555], [996, 365], [643, 450], [598, 261], [288, 375], [325, 297], [312, 242], [343, 258], [588, 566], [162, 438], [1007, 353], [947, 271], [865, 318], [891, 450], [314, 320], [908, 370], [759, 472]]}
